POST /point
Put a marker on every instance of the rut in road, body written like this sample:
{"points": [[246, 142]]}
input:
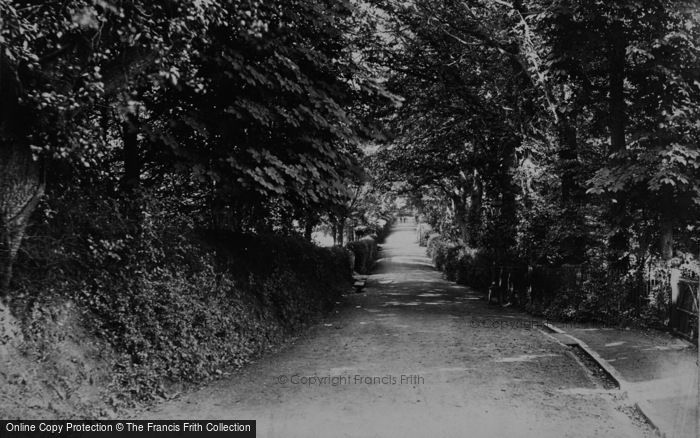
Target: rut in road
{"points": [[414, 356]]}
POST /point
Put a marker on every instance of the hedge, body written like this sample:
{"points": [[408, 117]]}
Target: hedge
{"points": [[365, 250], [423, 231], [187, 326], [178, 306], [379, 230], [568, 292]]}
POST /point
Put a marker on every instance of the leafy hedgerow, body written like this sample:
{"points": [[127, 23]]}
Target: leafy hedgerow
{"points": [[365, 250], [175, 306]]}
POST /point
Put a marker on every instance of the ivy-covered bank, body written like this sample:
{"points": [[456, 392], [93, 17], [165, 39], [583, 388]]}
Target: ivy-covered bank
{"points": [[142, 322]]}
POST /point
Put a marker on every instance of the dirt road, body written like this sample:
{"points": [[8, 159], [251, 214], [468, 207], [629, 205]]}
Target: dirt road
{"points": [[415, 356]]}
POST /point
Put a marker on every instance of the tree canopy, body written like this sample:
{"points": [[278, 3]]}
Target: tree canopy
{"points": [[577, 116], [555, 132]]}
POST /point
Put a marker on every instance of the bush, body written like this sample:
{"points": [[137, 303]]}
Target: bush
{"points": [[461, 264], [434, 240], [423, 230], [452, 261], [378, 230], [174, 305], [590, 292], [537, 279], [383, 229], [365, 250]]}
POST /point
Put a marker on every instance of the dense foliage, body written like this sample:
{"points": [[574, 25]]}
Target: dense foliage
{"points": [[548, 134], [246, 111], [163, 166], [173, 307], [366, 248], [166, 164]]}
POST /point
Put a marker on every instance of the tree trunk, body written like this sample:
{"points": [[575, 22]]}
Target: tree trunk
{"points": [[573, 244], [340, 241], [474, 217], [504, 238], [351, 232], [666, 241], [334, 230], [508, 221], [617, 47], [309, 224], [461, 213], [21, 188], [568, 155]]}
